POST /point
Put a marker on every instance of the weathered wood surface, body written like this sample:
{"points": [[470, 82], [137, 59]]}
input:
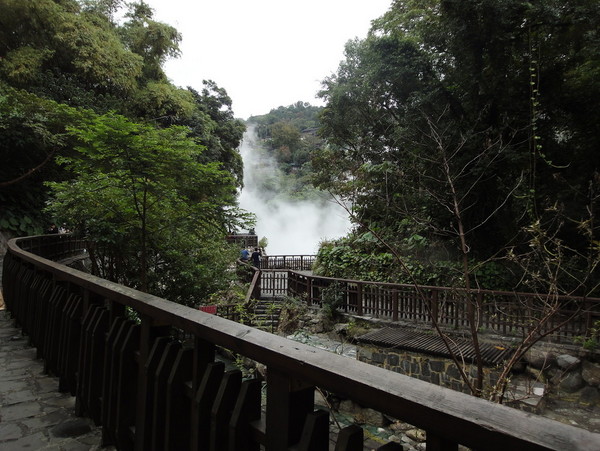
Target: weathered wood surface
{"points": [[293, 262], [293, 370], [507, 313]]}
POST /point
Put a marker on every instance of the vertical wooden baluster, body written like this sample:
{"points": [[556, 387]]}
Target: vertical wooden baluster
{"points": [[204, 354], [145, 402], [126, 382], [202, 404], [96, 363], [359, 299], [315, 435], [435, 316], [163, 371], [53, 330], [350, 439], [81, 406], [177, 425], [68, 341], [30, 306], [437, 443], [222, 409], [114, 341], [289, 401], [246, 410], [73, 344], [41, 320], [153, 341], [24, 283]]}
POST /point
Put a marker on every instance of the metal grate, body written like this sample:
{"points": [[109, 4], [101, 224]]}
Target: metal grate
{"points": [[390, 337]]}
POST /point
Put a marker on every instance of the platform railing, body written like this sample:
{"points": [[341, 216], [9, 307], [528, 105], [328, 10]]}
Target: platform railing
{"points": [[146, 370], [502, 312], [293, 262]]}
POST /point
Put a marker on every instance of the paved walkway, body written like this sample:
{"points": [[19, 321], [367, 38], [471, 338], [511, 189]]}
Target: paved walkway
{"points": [[33, 414]]}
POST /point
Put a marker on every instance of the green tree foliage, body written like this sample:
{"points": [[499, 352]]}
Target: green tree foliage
{"points": [[285, 138], [300, 115], [147, 170], [216, 128], [45, 43], [32, 132], [288, 135], [473, 119], [158, 216], [74, 53], [161, 103], [154, 41]]}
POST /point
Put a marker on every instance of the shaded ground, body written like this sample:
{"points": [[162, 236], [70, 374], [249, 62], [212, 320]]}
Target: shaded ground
{"points": [[33, 414]]}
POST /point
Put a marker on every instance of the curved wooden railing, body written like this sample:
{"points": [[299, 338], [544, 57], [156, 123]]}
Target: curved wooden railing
{"points": [[144, 368]]}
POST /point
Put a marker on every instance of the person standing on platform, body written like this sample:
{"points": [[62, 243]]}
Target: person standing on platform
{"points": [[256, 257], [245, 255]]}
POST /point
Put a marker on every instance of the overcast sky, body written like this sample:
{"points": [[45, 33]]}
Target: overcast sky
{"points": [[265, 53]]}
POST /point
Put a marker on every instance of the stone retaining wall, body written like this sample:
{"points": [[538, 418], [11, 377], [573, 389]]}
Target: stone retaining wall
{"points": [[436, 370], [574, 375], [547, 372]]}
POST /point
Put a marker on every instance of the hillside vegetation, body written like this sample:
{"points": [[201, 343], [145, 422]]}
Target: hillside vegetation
{"points": [[288, 136], [96, 137], [463, 137]]}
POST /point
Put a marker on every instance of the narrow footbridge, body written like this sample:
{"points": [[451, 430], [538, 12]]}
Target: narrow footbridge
{"points": [[146, 370]]}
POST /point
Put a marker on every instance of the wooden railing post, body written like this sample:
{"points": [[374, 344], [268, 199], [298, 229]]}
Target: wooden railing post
{"points": [[589, 322], [359, 299], [202, 402], [177, 426], [246, 411], [437, 443], [435, 307], [146, 394], [289, 401], [112, 346], [479, 309], [149, 333]]}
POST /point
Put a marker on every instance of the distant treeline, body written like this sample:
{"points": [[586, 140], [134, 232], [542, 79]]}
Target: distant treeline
{"points": [[290, 134]]}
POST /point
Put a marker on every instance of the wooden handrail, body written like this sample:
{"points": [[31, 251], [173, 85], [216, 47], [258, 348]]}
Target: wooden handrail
{"points": [[392, 285], [112, 360], [285, 262], [404, 302]]}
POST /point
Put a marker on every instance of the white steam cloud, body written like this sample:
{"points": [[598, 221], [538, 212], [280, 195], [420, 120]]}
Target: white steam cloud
{"points": [[291, 227]]}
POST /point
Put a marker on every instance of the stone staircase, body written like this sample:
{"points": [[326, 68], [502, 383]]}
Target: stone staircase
{"points": [[266, 314]]}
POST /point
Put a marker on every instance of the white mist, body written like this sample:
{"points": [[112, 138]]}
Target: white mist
{"points": [[291, 227]]}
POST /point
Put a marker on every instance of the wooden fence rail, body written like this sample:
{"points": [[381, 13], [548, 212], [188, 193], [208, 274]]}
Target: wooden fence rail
{"points": [[120, 353], [293, 262], [507, 313]]}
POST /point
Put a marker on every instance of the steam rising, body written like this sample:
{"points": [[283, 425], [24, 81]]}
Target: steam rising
{"points": [[291, 227]]}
